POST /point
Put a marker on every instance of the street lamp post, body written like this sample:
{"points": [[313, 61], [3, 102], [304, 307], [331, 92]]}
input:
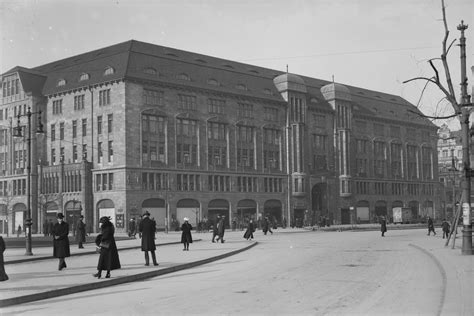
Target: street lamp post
{"points": [[18, 133]]}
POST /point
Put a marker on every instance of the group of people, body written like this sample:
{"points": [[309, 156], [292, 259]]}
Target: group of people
{"points": [[106, 245], [446, 227]]}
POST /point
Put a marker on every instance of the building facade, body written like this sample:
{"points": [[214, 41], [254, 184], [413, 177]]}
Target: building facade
{"points": [[136, 126]]}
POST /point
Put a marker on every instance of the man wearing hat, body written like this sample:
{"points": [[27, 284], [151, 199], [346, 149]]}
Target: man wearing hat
{"points": [[147, 229], [81, 232], [61, 241]]}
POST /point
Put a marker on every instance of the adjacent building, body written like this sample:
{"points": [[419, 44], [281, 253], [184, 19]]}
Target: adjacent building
{"points": [[137, 126]]}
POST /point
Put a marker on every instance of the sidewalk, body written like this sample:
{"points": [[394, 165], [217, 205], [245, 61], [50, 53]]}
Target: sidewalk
{"points": [[37, 277], [457, 272]]}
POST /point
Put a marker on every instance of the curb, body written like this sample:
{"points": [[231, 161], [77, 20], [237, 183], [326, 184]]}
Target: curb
{"points": [[112, 282], [29, 259], [442, 272]]}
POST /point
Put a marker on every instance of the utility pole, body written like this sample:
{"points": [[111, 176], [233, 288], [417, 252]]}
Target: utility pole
{"points": [[466, 137]]}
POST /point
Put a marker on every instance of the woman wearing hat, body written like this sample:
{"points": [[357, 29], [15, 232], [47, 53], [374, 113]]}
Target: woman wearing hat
{"points": [[186, 237], [61, 241], [109, 258]]}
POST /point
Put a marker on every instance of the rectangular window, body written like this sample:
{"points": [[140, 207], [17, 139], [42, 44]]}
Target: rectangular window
{"points": [[57, 106], [53, 132], [245, 110], [153, 97], [99, 152], [53, 156], [74, 153], [111, 151], [216, 106], [61, 131], [84, 152], [79, 102], [187, 102], [110, 122], [111, 181], [84, 127], [98, 182], [61, 154], [104, 97], [270, 114], [99, 124], [74, 129]]}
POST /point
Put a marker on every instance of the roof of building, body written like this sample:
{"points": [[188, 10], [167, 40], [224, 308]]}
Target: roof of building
{"points": [[144, 61]]}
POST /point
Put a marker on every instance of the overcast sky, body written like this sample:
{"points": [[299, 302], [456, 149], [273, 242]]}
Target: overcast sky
{"points": [[373, 44]]}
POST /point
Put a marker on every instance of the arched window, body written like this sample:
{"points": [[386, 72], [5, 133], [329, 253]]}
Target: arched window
{"points": [[150, 71], [213, 82], [241, 86], [183, 76], [84, 76], [109, 71]]}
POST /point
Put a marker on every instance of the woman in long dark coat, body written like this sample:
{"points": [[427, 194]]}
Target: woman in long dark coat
{"points": [[186, 237], [3, 275], [108, 258], [250, 229], [60, 234]]}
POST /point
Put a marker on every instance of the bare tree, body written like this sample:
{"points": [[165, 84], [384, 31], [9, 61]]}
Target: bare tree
{"points": [[461, 111]]}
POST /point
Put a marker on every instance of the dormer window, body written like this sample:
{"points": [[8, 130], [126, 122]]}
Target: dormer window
{"points": [[313, 100], [267, 91], [109, 71], [150, 71], [241, 86], [213, 82], [183, 76], [84, 76], [61, 82]]}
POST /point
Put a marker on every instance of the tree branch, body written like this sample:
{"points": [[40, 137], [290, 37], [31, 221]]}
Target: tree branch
{"points": [[435, 117]]}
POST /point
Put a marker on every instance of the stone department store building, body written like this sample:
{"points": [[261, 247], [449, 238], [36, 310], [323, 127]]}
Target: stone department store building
{"points": [[136, 126]]}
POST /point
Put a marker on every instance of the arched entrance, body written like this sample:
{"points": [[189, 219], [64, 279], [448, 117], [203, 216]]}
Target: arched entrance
{"points": [[19, 216], [428, 209], [362, 212], [72, 212], [106, 208], [189, 208], [414, 206], [218, 207], [157, 209], [273, 209], [381, 208], [246, 210], [318, 202]]}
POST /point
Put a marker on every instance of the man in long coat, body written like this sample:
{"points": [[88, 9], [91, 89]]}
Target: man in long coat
{"points": [[81, 232], [147, 229], [61, 241]]}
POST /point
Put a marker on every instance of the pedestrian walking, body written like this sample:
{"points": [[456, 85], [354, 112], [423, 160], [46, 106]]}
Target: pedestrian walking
{"points": [[215, 231], [18, 231], [383, 225], [132, 228], [221, 229], [3, 275], [186, 237], [431, 226], [446, 228], [266, 226], [81, 232], [61, 241], [105, 241], [147, 229], [250, 229]]}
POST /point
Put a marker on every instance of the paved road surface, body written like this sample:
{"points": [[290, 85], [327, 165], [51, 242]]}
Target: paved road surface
{"points": [[315, 273]]}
